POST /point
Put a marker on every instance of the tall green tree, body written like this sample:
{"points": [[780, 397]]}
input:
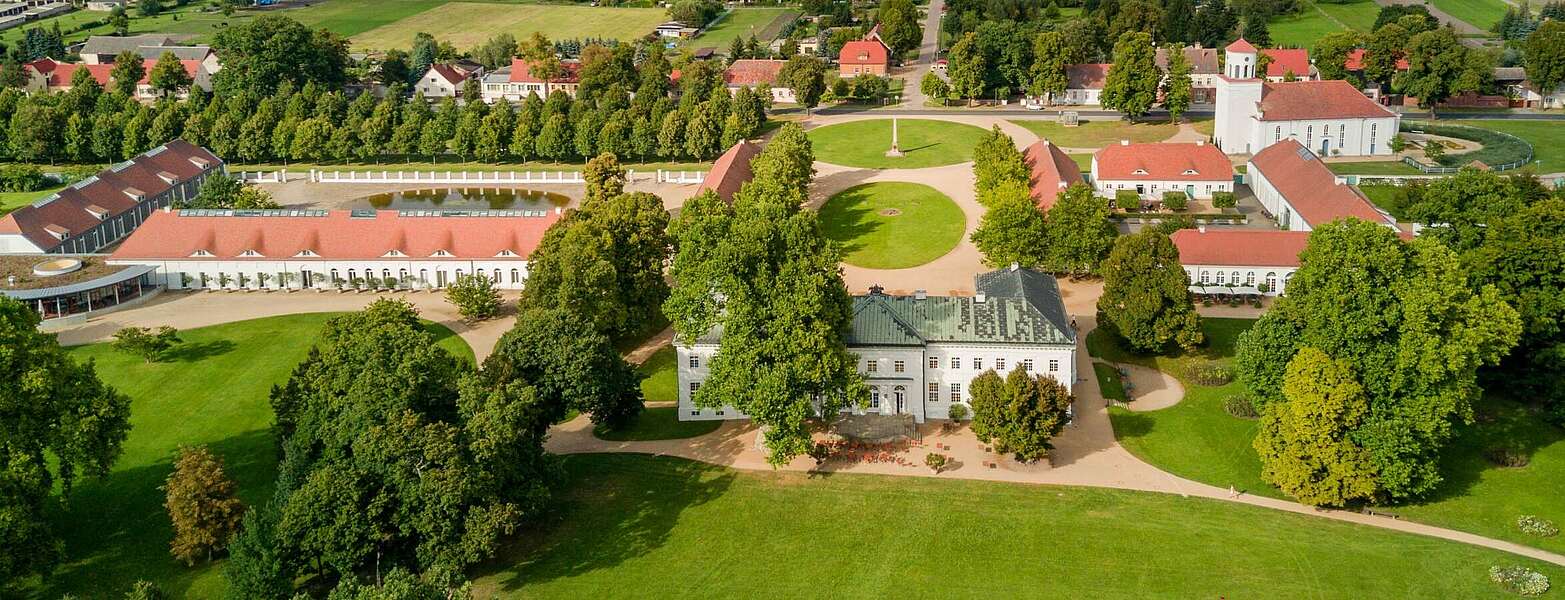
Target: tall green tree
{"points": [[59, 423], [1051, 56], [967, 66], [1305, 442], [1436, 62], [1544, 55], [605, 261], [1012, 230], [1331, 53], [789, 159], [1131, 84], [1022, 414], [899, 25], [264, 52], [605, 178], [1383, 50], [127, 73], [168, 75], [1080, 234], [996, 161], [1146, 295], [1176, 87], [806, 77], [570, 364]]}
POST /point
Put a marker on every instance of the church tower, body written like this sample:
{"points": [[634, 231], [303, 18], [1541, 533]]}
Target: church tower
{"points": [[1238, 99]]}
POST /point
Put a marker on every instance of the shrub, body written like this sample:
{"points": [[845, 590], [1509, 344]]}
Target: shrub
{"points": [[145, 342], [935, 461], [474, 296], [1127, 199], [820, 452], [22, 178], [1538, 526], [958, 412], [1175, 200], [1209, 374], [1520, 580], [1507, 456], [1240, 405], [1224, 200]]}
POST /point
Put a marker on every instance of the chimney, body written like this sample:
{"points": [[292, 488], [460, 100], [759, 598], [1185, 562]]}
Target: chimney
{"points": [[1200, 142], [1124, 142], [980, 298], [920, 294]]}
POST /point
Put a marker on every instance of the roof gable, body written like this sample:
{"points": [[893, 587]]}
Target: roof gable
{"points": [[1310, 187], [1051, 172]]}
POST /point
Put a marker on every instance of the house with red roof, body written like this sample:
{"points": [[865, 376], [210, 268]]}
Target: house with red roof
{"points": [[1204, 70], [1198, 169], [760, 74], [443, 80], [863, 57], [1301, 193], [335, 249], [1050, 171], [1084, 85], [47, 75], [1331, 118], [730, 171], [516, 82], [1285, 61], [102, 209], [1239, 261]]}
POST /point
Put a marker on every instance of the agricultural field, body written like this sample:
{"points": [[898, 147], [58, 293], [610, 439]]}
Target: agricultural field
{"points": [[187, 22], [1479, 13], [468, 24], [1314, 20], [763, 23]]}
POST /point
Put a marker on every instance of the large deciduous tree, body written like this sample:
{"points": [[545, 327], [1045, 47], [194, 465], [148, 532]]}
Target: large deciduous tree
{"points": [[996, 161], [1177, 86], [605, 261], [967, 68], [899, 25], [1404, 315], [1131, 84], [1019, 414], [1436, 63], [1146, 295], [1012, 230], [262, 53], [570, 365], [58, 422], [1331, 53], [1305, 441], [202, 505], [806, 77], [1080, 234], [1051, 56], [1544, 55]]}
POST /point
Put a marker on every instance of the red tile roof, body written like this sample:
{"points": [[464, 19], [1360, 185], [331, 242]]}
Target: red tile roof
{"points": [[1162, 162], [1052, 172], [58, 74], [1203, 61], [451, 74], [338, 235], [863, 52], [1240, 45], [1088, 76], [1284, 60], [520, 72], [750, 72], [109, 192], [730, 171], [1310, 187], [1355, 61], [1240, 247], [1305, 100]]}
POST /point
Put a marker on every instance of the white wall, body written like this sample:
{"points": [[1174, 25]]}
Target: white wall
{"points": [[1079, 97], [1287, 218], [173, 273], [1155, 189], [1275, 278], [1338, 137], [16, 243], [1236, 112]]}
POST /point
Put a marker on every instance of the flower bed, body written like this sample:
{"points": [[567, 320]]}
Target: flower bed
{"points": [[1538, 526], [1500, 150], [1520, 580]]}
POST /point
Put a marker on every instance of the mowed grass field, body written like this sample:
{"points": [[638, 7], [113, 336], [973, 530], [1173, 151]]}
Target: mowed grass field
{"points": [[660, 527], [1547, 139], [924, 143], [1097, 134], [1479, 13], [1199, 440], [10, 201], [468, 24], [892, 224], [742, 23], [211, 390], [1304, 28]]}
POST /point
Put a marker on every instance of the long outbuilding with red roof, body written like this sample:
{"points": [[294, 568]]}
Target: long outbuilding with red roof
{"points": [[1302, 193], [335, 249], [1239, 261], [1199, 169]]}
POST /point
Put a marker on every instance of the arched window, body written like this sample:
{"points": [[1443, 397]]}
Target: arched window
{"points": [[874, 396], [1220, 275], [423, 275], [1205, 277], [516, 275], [496, 277], [1249, 278], [351, 275], [1271, 281], [334, 277], [1235, 275]]}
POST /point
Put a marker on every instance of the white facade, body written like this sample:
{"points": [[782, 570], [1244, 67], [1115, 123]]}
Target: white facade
{"points": [[920, 381], [1240, 279], [1241, 127], [779, 94], [435, 85], [1080, 97], [1201, 190], [304, 273]]}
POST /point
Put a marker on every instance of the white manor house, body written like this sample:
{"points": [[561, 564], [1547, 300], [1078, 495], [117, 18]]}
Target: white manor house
{"points": [[919, 353]]}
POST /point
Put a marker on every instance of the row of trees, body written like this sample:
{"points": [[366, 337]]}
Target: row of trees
{"points": [[762, 272], [1072, 237], [1438, 64]]}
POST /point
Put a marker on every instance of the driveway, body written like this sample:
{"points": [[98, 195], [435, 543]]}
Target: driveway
{"points": [[928, 53]]}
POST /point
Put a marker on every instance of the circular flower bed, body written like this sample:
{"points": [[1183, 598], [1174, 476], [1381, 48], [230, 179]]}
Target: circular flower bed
{"points": [[1520, 580]]}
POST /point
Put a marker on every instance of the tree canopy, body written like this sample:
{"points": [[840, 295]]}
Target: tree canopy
{"points": [[1146, 295], [1132, 82], [264, 52], [1305, 440], [1020, 414]]}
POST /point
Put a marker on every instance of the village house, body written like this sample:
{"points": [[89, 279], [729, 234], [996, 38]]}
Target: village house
{"points": [[1330, 117], [1204, 71], [863, 57], [1050, 171], [1084, 84], [1300, 192], [1239, 261], [1197, 169], [50, 76], [100, 210], [759, 74], [919, 353], [514, 83], [335, 249], [730, 171], [675, 30], [444, 80], [1288, 62]]}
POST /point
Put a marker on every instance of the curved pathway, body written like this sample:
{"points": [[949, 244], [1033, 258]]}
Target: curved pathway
{"points": [[1150, 389]]}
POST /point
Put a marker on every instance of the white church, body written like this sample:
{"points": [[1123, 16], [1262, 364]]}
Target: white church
{"points": [[1331, 118]]}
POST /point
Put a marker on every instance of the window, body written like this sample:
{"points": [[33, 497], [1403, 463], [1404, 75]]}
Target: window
{"points": [[719, 412], [999, 364], [516, 275], [1277, 134], [956, 363], [1027, 365], [695, 361], [1249, 278], [1342, 131], [1309, 135], [1220, 275], [898, 366], [956, 392], [934, 392], [978, 364], [694, 385], [1235, 277], [874, 397], [1371, 138], [1205, 278], [934, 362], [871, 366], [1054, 366], [1271, 281], [695, 413]]}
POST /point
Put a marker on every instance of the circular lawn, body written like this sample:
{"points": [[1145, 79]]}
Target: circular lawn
{"points": [[924, 143], [892, 225]]}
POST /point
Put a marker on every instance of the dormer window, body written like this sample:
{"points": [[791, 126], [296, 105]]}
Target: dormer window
{"points": [[200, 162], [98, 212], [441, 253], [393, 253], [201, 254], [250, 253], [1190, 172], [506, 253], [168, 177], [305, 253], [57, 231], [1139, 172], [135, 194]]}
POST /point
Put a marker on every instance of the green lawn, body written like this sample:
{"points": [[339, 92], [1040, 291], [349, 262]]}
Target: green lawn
{"points": [[1479, 13], [892, 225], [1547, 139], [743, 23], [212, 390], [660, 527], [1373, 167], [468, 24], [1083, 161], [924, 142], [1390, 198], [10, 201], [1314, 20], [659, 423], [1109, 381], [1097, 134], [662, 376], [186, 19], [454, 163], [1198, 440]]}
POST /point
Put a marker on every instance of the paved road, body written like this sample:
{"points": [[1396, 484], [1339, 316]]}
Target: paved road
{"points": [[908, 109], [928, 51]]}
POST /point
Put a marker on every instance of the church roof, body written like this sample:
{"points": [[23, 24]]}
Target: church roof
{"points": [[1309, 100]]}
